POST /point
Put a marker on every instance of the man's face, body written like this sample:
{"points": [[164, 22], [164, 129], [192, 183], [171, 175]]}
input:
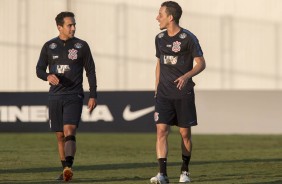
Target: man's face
{"points": [[67, 31], [163, 18]]}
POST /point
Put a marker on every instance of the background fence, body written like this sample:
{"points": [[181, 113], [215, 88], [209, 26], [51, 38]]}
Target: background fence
{"points": [[239, 91], [242, 48]]}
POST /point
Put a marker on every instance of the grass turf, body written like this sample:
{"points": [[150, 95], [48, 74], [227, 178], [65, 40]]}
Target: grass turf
{"points": [[130, 158]]}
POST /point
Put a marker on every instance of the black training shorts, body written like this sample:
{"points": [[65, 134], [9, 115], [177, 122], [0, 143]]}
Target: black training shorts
{"points": [[64, 109], [180, 112]]}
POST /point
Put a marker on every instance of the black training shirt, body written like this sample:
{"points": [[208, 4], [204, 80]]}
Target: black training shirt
{"points": [[66, 59], [176, 56]]}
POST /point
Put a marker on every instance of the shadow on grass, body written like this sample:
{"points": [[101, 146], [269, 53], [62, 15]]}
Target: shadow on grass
{"points": [[131, 165], [237, 161], [269, 182], [78, 180], [83, 168]]}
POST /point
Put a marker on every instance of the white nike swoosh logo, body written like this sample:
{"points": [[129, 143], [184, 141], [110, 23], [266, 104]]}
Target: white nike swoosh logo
{"points": [[129, 115]]}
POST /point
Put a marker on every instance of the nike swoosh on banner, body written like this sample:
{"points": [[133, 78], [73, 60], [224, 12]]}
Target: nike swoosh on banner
{"points": [[129, 115]]}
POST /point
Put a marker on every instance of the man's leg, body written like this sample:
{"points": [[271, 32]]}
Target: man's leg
{"points": [[162, 146], [69, 149], [186, 146], [162, 150], [61, 146], [56, 125], [70, 144]]}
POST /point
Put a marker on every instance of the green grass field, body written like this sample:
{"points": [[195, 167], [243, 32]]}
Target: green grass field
{"points": [[130, 158]]}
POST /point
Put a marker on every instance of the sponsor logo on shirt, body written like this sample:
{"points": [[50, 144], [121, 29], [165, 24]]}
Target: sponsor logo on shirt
{"points": [[160, 35], [78, 45], [52, 45], [176, 46], [55, 57], [183, 35], [72, 54], [63, 68], [170, 60]]}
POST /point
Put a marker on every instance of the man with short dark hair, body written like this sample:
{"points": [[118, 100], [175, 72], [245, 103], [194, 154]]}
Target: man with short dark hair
{"points": [[66, 56], [176, 49]]}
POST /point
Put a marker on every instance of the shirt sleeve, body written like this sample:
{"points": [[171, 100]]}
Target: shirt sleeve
{"points": [[42, 64], [158, 54], [194, 47], [89, 66]]}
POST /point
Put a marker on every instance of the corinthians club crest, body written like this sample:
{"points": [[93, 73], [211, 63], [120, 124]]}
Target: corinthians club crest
{"points": [[176, 46], [72, 54]]}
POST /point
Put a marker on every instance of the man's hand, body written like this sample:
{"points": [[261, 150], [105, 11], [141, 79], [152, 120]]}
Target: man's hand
{"points": [[53, 79], [181, 81], [92, 103], [198, 68]]}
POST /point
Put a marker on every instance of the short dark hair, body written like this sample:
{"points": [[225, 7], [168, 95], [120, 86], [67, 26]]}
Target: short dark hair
{"points": [[60, 17], [173, 8]]}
